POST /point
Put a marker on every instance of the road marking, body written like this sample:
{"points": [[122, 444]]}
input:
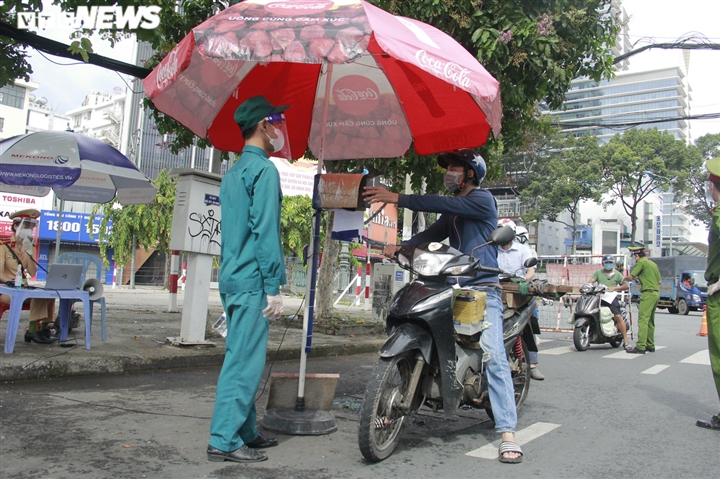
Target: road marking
{"points": [[701, 357], [556, 351], [490, 451], [655, 369], [623, 355]]}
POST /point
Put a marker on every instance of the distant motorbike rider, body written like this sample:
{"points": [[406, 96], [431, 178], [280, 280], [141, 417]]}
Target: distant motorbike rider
{"points": [[614, 281], [468, 218]]}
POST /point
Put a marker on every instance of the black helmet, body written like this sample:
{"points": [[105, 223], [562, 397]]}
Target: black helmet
{"points": [[465, 157], [608, 258]]}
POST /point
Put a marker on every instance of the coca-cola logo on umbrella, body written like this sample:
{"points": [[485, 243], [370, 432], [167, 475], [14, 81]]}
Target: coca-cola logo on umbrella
{"points": [[292, 9], [167, 70], [356, 94]]}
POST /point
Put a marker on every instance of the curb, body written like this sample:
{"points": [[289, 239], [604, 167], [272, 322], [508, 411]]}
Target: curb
{"points": [[56, 368]]}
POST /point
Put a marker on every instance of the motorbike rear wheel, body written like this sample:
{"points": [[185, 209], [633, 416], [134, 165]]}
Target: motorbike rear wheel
{"points": [[381, 422], [520, 375], [581, 338]]}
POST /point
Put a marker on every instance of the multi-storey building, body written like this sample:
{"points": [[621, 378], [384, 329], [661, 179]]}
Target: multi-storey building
{"points": [[14, 106]]}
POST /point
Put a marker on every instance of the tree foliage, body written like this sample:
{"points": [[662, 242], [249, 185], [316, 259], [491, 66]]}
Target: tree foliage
{"points": [[150, 224], [696, 203], [564, 178], [642, 162], [295, 224]]}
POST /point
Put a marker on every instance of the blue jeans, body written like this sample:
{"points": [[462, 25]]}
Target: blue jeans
{"points": [[500, 386]]}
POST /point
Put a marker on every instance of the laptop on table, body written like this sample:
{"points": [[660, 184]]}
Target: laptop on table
{"points": [[63, 276]]}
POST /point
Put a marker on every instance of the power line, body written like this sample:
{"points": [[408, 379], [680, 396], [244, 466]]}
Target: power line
{"points": [[631, 124]]}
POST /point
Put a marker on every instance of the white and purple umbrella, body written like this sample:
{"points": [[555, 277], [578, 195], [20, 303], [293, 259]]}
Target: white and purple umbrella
{"points": [[76, 167]]}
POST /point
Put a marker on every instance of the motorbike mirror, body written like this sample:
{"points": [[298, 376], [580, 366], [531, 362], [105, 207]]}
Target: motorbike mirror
{"points": [[502, 236], [531, 262]]}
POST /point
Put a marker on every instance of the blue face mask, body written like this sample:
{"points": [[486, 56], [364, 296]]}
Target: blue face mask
{"points": [[608, 266]]}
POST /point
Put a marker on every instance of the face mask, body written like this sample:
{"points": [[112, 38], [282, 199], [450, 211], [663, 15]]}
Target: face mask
{"points": [[23, 233], [608, 266], [276, 143], [452, 182]]}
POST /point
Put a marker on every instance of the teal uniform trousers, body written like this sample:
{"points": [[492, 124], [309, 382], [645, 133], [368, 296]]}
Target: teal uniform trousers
{"points": [[242, 369]]}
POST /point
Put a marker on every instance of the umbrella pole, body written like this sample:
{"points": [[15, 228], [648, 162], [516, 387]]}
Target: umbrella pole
{"points": [[298, 420], [59, 230]]}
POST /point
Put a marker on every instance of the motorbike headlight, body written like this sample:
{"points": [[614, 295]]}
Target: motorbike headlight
{"points": [[403, 260], [695, 297], [430, 264]]}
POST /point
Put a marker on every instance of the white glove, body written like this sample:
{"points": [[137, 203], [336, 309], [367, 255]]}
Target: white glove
{"points": [[274, 308], [28, 246], [714, 288]]}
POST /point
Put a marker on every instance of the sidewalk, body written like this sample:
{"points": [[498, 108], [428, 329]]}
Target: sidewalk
{"points": [[138, 323]]}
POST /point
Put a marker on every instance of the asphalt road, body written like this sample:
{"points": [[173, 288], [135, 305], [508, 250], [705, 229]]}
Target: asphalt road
{"points": [[599, 414]]}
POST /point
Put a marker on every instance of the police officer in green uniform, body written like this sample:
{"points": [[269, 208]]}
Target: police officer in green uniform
{"points": [[252, 269], [712, 275], [648, 275]]}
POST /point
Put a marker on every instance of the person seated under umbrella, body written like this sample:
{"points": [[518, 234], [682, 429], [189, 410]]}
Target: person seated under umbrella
{"points": [[19, 250]]}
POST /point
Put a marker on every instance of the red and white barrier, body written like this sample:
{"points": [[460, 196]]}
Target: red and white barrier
{"points": [[173, 286]]}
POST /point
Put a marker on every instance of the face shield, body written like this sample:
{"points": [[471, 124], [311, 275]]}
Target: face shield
{"points": [[26, 231], [708, 193], [282, 142]]}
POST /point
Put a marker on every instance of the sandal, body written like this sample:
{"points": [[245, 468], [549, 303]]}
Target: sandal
{"points": [[713, 423], [508, 446]]}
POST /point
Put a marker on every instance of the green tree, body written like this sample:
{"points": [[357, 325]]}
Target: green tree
{"points": [[639, 163], [149, 224], [566, 177], [295, 224], [696, 203]]}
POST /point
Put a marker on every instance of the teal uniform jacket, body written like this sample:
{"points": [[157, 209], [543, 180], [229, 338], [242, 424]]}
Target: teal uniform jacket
{"points": [[251, 267], [251, 251]]}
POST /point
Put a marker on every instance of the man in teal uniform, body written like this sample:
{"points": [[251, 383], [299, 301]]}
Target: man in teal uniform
{"points": [[252, 269], [649, 276], [712, 275]]}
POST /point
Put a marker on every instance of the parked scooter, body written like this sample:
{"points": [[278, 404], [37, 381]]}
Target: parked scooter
{"points": [[423, 363], [593, 323]]}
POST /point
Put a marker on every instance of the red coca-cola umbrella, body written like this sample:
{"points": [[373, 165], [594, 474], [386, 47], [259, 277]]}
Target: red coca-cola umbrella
{"points": [[376, 81], [361, 83]]}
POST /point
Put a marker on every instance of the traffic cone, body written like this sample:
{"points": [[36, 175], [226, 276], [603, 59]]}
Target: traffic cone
{"points": [[703, 326]]}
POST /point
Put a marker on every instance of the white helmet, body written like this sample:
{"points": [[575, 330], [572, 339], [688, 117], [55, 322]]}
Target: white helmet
{"points": [[521, 234], [507, 222]]}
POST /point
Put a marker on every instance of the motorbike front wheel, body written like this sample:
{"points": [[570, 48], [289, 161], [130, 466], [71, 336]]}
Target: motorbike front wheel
{"points": [[381, 422], [581, 337]]}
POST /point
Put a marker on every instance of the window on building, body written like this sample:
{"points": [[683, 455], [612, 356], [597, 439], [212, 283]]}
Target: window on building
{"points": [[609, 242], [13, 96], [2, 124]]}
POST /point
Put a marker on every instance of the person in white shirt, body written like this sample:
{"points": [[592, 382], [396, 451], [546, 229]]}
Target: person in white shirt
{"points": [[511, 259]]}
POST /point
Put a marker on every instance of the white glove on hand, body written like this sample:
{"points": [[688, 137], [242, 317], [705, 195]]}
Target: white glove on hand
{"points": [[28, 246], [714, 288], [274, 308]]}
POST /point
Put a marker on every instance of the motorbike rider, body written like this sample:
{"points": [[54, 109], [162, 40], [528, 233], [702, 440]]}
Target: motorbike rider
{"points": [[468, 218], [614, 281], [511, 259]]}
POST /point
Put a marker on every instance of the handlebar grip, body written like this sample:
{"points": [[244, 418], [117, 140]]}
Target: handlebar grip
{"points": [[488, 269]]}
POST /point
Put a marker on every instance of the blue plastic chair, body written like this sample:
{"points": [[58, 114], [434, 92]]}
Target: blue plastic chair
{"points": [[88, 260]]}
